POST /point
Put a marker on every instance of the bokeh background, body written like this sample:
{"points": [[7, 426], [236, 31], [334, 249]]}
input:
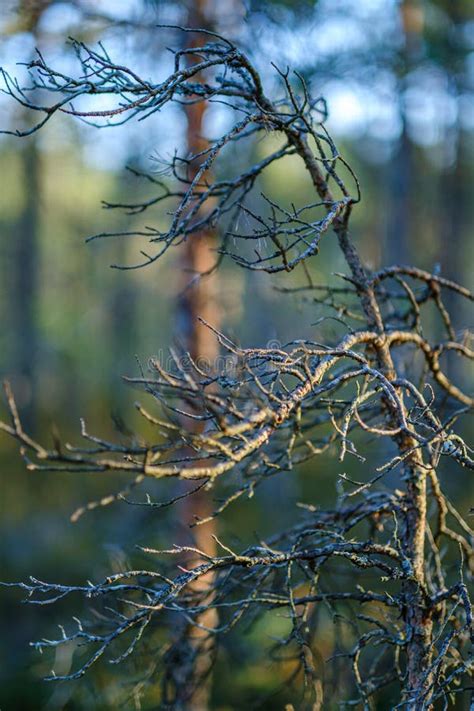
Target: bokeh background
{"points": [[399, 80]]}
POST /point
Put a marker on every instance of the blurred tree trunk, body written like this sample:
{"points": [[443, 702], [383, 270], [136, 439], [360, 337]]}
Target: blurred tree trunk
{"points": [[454, 204], [198, 299], [401, 182], [455, 200], [30, 12], [26, 251], [123, 324], [25, 284]]}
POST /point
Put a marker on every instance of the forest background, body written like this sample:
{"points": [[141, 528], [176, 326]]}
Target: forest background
{"points": [[399, 82]]}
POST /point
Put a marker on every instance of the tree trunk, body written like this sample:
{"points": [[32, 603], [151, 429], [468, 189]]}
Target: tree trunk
{"points": [[26, 248], [198, 299], [401, 180], [25, 284], [418, 622]]}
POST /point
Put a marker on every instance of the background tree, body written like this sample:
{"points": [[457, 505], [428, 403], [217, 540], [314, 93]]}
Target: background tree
{"points": [[24, 279]]}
